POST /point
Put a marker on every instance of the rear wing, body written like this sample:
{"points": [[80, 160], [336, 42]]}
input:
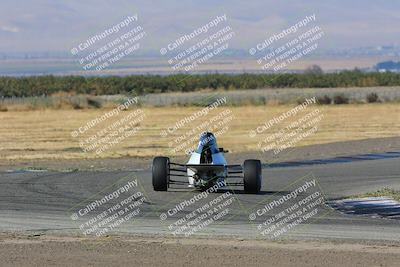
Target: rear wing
{"points": [[203, 168], [233, 171]]}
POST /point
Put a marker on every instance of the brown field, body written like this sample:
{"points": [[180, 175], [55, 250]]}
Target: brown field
{"points": [[46, 134]]}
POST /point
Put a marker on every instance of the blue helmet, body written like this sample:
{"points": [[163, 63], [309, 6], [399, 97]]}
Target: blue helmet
{"points": [[207, 141]]}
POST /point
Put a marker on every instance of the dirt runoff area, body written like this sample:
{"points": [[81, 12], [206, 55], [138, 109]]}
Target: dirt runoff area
{"points": [[18, 250]]}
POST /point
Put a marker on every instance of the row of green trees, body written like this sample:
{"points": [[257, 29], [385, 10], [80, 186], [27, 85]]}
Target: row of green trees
{"points": [[143, 84]]}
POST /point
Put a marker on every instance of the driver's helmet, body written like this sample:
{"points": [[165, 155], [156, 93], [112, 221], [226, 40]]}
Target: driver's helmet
{"points": [[207, 141]]}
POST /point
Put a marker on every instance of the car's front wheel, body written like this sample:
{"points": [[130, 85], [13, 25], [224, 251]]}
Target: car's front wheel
{"points": [[252, 176], [160, 172]]}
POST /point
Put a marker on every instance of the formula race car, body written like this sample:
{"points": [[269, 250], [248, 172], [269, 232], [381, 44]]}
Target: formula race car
{"points": [[207, 167]]}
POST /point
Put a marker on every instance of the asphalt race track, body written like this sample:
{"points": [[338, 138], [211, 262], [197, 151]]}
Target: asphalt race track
{"points": [[43, 202]]}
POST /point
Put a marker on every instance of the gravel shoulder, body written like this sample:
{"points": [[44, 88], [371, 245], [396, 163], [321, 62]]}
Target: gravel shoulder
{"points": [[161, 251]]}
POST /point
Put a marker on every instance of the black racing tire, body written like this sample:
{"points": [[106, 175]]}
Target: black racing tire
{"points": [[160, 173], [252, 176]]}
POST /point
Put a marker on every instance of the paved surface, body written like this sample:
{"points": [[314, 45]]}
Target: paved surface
{"points": [[44, 201], [382, 207]]}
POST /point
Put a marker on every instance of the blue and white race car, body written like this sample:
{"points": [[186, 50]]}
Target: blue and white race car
{"points": [[207, 167]]}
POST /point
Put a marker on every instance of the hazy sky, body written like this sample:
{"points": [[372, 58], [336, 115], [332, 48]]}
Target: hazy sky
{"points": [[58, 25]]}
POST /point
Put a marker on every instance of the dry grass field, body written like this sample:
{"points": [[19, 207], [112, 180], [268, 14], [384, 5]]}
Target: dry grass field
{"points": [[46, 134]]}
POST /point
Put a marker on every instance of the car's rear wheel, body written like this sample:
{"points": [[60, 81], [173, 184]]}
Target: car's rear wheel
{"points": [[160, 171], [252, 176]]}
